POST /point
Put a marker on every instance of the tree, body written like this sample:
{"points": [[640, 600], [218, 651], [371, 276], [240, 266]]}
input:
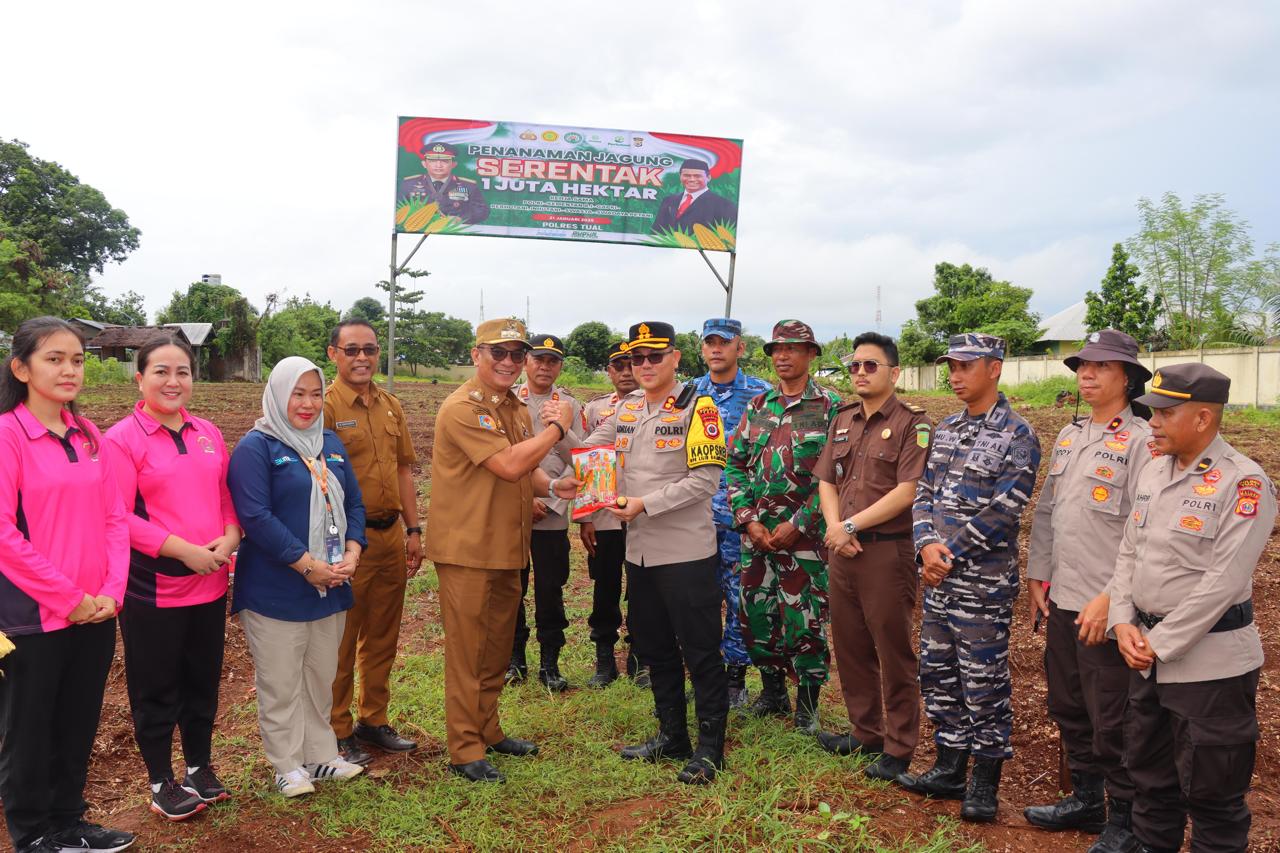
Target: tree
{"points": [[433, 339], [968, 299], [214, 303], [690, 346], [80, 297], [590, 342], [1122, 303], [368, 309], [301, 327]]}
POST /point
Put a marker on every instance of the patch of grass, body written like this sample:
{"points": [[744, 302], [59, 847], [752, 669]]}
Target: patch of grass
{"points": [[1254, 416], [1043, 392]]}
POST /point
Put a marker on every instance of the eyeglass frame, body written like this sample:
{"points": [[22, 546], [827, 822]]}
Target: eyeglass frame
{"points": [[653, 358], [499, 353], [363, 349], [855, 366]]}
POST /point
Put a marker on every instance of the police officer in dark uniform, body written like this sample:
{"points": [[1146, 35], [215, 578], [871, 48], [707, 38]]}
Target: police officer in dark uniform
{"points": [[456, 196]]}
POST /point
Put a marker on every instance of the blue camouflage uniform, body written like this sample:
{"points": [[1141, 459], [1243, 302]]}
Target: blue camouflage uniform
{"points": [[978, 479], [732, 400]]}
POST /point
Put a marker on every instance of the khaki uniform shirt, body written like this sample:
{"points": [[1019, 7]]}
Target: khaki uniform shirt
{"points": [[866, 458], [597, 411], [377, 441], [477, 518], [559, 460], [1188, 553], [1086, 499], [676, 525]]}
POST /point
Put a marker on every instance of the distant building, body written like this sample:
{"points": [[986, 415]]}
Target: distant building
{"points": [[211, 278], [123, 342], [90, 329], [1064, 332]]}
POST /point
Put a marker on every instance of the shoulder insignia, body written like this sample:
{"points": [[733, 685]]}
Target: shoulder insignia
{"points": [[850, 406], [914, 409], [463, 180]]}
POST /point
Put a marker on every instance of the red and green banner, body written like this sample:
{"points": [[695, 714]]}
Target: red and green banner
{"points": [[553, 182]]}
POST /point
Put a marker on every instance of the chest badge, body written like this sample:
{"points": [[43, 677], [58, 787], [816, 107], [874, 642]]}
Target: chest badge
{"points": [[1191, 522], [1101, 493], [887, 432], [1205, 490], [1118, 446], [1213, 476]]}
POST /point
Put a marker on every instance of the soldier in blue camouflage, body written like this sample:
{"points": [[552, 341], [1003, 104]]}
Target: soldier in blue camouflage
{"points": [[774, 496], [732, 389], [978, 479]]}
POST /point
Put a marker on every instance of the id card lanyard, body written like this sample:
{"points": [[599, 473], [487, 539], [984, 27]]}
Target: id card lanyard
{"points": [[332, 540]]}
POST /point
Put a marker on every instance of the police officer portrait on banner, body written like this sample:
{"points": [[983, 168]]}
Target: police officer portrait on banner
{"points": [[454, 194], [695, 204]]}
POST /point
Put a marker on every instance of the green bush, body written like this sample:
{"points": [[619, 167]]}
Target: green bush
{"points": [[1043, 392], [99, 372]]}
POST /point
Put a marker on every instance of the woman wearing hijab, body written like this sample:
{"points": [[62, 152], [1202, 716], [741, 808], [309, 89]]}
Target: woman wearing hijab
{"points": [[303, 519]]}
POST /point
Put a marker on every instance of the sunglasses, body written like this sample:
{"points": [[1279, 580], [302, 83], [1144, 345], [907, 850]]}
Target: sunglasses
{"points": [[352, 351], [652, 358], [517, 356], [867, 367], [620, 363]]}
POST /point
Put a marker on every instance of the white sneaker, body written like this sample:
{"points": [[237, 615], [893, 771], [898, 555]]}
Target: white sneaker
{"points": [[335, 768], [295, 783]]}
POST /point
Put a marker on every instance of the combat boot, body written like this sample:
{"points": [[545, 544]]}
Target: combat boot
{"points": [[980, 798], [671, 741], [807, 708], [1117, 836], [518, 669], [549, 671], [606, 667], [709, 756], [737, 685], [1084, 808], [772, 700], [946, 779]]}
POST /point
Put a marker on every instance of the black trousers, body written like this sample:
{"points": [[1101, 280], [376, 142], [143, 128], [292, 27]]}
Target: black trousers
{"points": [[50, 703], [605, 569], [1190, 750], [674, 617], [549, 553], [173, 667], [1088, 689]]}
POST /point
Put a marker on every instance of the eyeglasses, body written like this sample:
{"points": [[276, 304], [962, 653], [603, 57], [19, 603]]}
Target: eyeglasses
{"points": [[517, 356], [352, 351], [870, 366], [652, 358], [620, 363]]}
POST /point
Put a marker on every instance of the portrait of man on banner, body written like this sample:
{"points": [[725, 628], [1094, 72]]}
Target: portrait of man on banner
{"points": [[452, 194], [695, 204]]}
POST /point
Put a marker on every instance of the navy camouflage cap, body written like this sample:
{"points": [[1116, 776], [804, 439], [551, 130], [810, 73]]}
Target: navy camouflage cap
{"points": [[723, 327], [792, 332], [972, 345]]}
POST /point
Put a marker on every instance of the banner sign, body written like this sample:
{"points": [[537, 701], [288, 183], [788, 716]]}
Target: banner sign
{"points": [[553, 182]]}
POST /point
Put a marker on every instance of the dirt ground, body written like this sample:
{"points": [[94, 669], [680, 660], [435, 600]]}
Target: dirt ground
{"points": [[1031, 777]]}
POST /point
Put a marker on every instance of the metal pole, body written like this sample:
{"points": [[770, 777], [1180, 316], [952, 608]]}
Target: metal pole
{"points": [[391, 317], [728, 295]]}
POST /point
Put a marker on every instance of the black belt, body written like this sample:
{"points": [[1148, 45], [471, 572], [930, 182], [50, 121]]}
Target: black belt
{"points": [[882, 537], [1236, 617], [382, 523]]}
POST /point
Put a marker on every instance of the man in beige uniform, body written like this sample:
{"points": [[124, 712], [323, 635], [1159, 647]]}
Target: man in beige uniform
{"points": [[671, 453], [1182, 615], [484, 473]]}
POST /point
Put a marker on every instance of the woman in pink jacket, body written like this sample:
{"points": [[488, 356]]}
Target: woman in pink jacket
{"points": [[171, 468], [64, 557]]}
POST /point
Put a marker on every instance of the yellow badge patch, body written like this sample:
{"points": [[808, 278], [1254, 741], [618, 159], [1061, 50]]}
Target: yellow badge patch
{"points": [[1205, 490], [704, 444], [1101, 493], [627, 418], [1191, 522], [1116, 445]]}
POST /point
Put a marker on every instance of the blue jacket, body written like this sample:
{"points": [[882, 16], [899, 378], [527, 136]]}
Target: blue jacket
{"points": [[271, 489], [732, 401]]}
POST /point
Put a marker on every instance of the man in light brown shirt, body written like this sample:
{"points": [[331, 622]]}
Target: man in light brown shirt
{"points": [[1182, 616], [372, 427], [484, 473]]}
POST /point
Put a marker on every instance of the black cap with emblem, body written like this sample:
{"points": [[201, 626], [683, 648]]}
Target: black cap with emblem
{"points": [[618, 349], [546, 345], [651, 334], [1186, 383]]}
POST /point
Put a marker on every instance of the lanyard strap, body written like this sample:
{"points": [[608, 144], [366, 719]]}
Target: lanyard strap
{"points": [[323, 481]]}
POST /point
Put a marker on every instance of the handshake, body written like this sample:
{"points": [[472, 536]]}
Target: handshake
{"points": [[558, 412]]}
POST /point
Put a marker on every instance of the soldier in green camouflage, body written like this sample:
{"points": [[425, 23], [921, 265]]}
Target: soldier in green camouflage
{"points": [[774, 497]]}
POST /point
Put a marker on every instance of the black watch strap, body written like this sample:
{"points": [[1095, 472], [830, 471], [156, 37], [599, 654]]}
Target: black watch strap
{"points": [[409, 531]]}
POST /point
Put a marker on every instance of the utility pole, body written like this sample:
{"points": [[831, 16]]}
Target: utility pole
{"points": [[877, 308]]}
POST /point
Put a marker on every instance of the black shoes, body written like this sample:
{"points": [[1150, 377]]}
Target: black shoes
{"points": [[549, 672], [807, 708], [671, 741], [383, 737], [946, 779], [1117, 835], [772, 700], [477, 771], [844, 744], [206, 784], [606, 668], [980, 798], [638, 674], [350, 750], [518, 669], [887, 768], [175, 802], [708, 757], [1084, 808], [513, 746], [738, 696], [90, 837]]}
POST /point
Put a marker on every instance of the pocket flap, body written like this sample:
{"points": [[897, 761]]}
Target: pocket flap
{"points": [[1223, 731]]}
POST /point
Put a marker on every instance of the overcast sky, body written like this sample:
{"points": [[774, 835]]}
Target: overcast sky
{"points": [[257, 140]]}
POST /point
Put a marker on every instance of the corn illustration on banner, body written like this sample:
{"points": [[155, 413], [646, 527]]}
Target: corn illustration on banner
{"points": [[555, 182]]}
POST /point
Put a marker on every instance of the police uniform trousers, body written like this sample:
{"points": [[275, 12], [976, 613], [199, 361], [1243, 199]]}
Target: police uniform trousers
{"points": [[783, 611], [674, 615], [964, 672], [872, 598], [478, 607], [549, 556], [373, 631], [1088, 689], [605, 569], [1190, 749], [732, 647]]}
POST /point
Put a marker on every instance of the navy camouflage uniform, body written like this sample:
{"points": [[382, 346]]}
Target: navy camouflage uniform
{"points": [[978, 479]]}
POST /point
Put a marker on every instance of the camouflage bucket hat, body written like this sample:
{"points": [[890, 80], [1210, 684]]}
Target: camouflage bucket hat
{"points": [[792, 332]]}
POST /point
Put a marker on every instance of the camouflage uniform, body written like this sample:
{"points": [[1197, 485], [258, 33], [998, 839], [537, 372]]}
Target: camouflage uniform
{"points": [[979, 477], [783, 603], [732, 401]]}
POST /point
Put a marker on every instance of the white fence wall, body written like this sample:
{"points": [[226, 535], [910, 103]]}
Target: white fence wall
{"points": [[1254, 371]]}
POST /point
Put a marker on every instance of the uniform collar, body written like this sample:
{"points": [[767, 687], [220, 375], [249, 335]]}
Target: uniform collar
{"points": [[1119, 423], [810, 391], [995, 416], [31, 424], [1210, 460], [739, 380], [478, 394], [150, 425], [349, 395]]}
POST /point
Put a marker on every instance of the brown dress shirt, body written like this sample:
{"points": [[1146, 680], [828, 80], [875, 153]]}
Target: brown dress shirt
{"points": [[377, 441]]}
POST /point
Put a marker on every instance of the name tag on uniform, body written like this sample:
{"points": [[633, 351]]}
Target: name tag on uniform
{"points": [[345, 424]]}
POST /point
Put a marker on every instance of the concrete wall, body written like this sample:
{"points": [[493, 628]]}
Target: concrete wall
{"points": [[1254, 371]]}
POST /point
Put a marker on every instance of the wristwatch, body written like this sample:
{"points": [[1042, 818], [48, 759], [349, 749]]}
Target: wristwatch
{"points": [[850, 527], [409, 531]]}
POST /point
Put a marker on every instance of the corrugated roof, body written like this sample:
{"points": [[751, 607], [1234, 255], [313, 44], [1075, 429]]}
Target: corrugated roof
{"points": [[1066, 325], [132, 337], [197, 333]]}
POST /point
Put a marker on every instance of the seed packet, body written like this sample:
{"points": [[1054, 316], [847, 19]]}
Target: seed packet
{"points": [[597, 469]]}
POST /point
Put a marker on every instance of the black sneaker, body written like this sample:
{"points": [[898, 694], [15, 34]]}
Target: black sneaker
{"points": [[92, 837], [351, 750], [175, 802], [206, 784], [41, 845]]}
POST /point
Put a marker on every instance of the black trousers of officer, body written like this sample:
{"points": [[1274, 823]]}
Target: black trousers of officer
{"points": [[50, 703], [1088, 689], [173, 667], [1190, 749], [674, 617], [605, 569], [549, 554]]}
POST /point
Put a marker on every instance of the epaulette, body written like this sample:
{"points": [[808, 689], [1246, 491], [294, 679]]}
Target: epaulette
{"points": [[916, 410], [603, 396], [463, 180], [848, 406]]}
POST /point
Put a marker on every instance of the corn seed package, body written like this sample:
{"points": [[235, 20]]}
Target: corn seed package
{"points": [[596, 468]]}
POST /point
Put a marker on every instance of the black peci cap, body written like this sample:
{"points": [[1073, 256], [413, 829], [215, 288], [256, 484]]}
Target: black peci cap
{"points": [[546, 345], [1186, 383], [651, 334]]}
